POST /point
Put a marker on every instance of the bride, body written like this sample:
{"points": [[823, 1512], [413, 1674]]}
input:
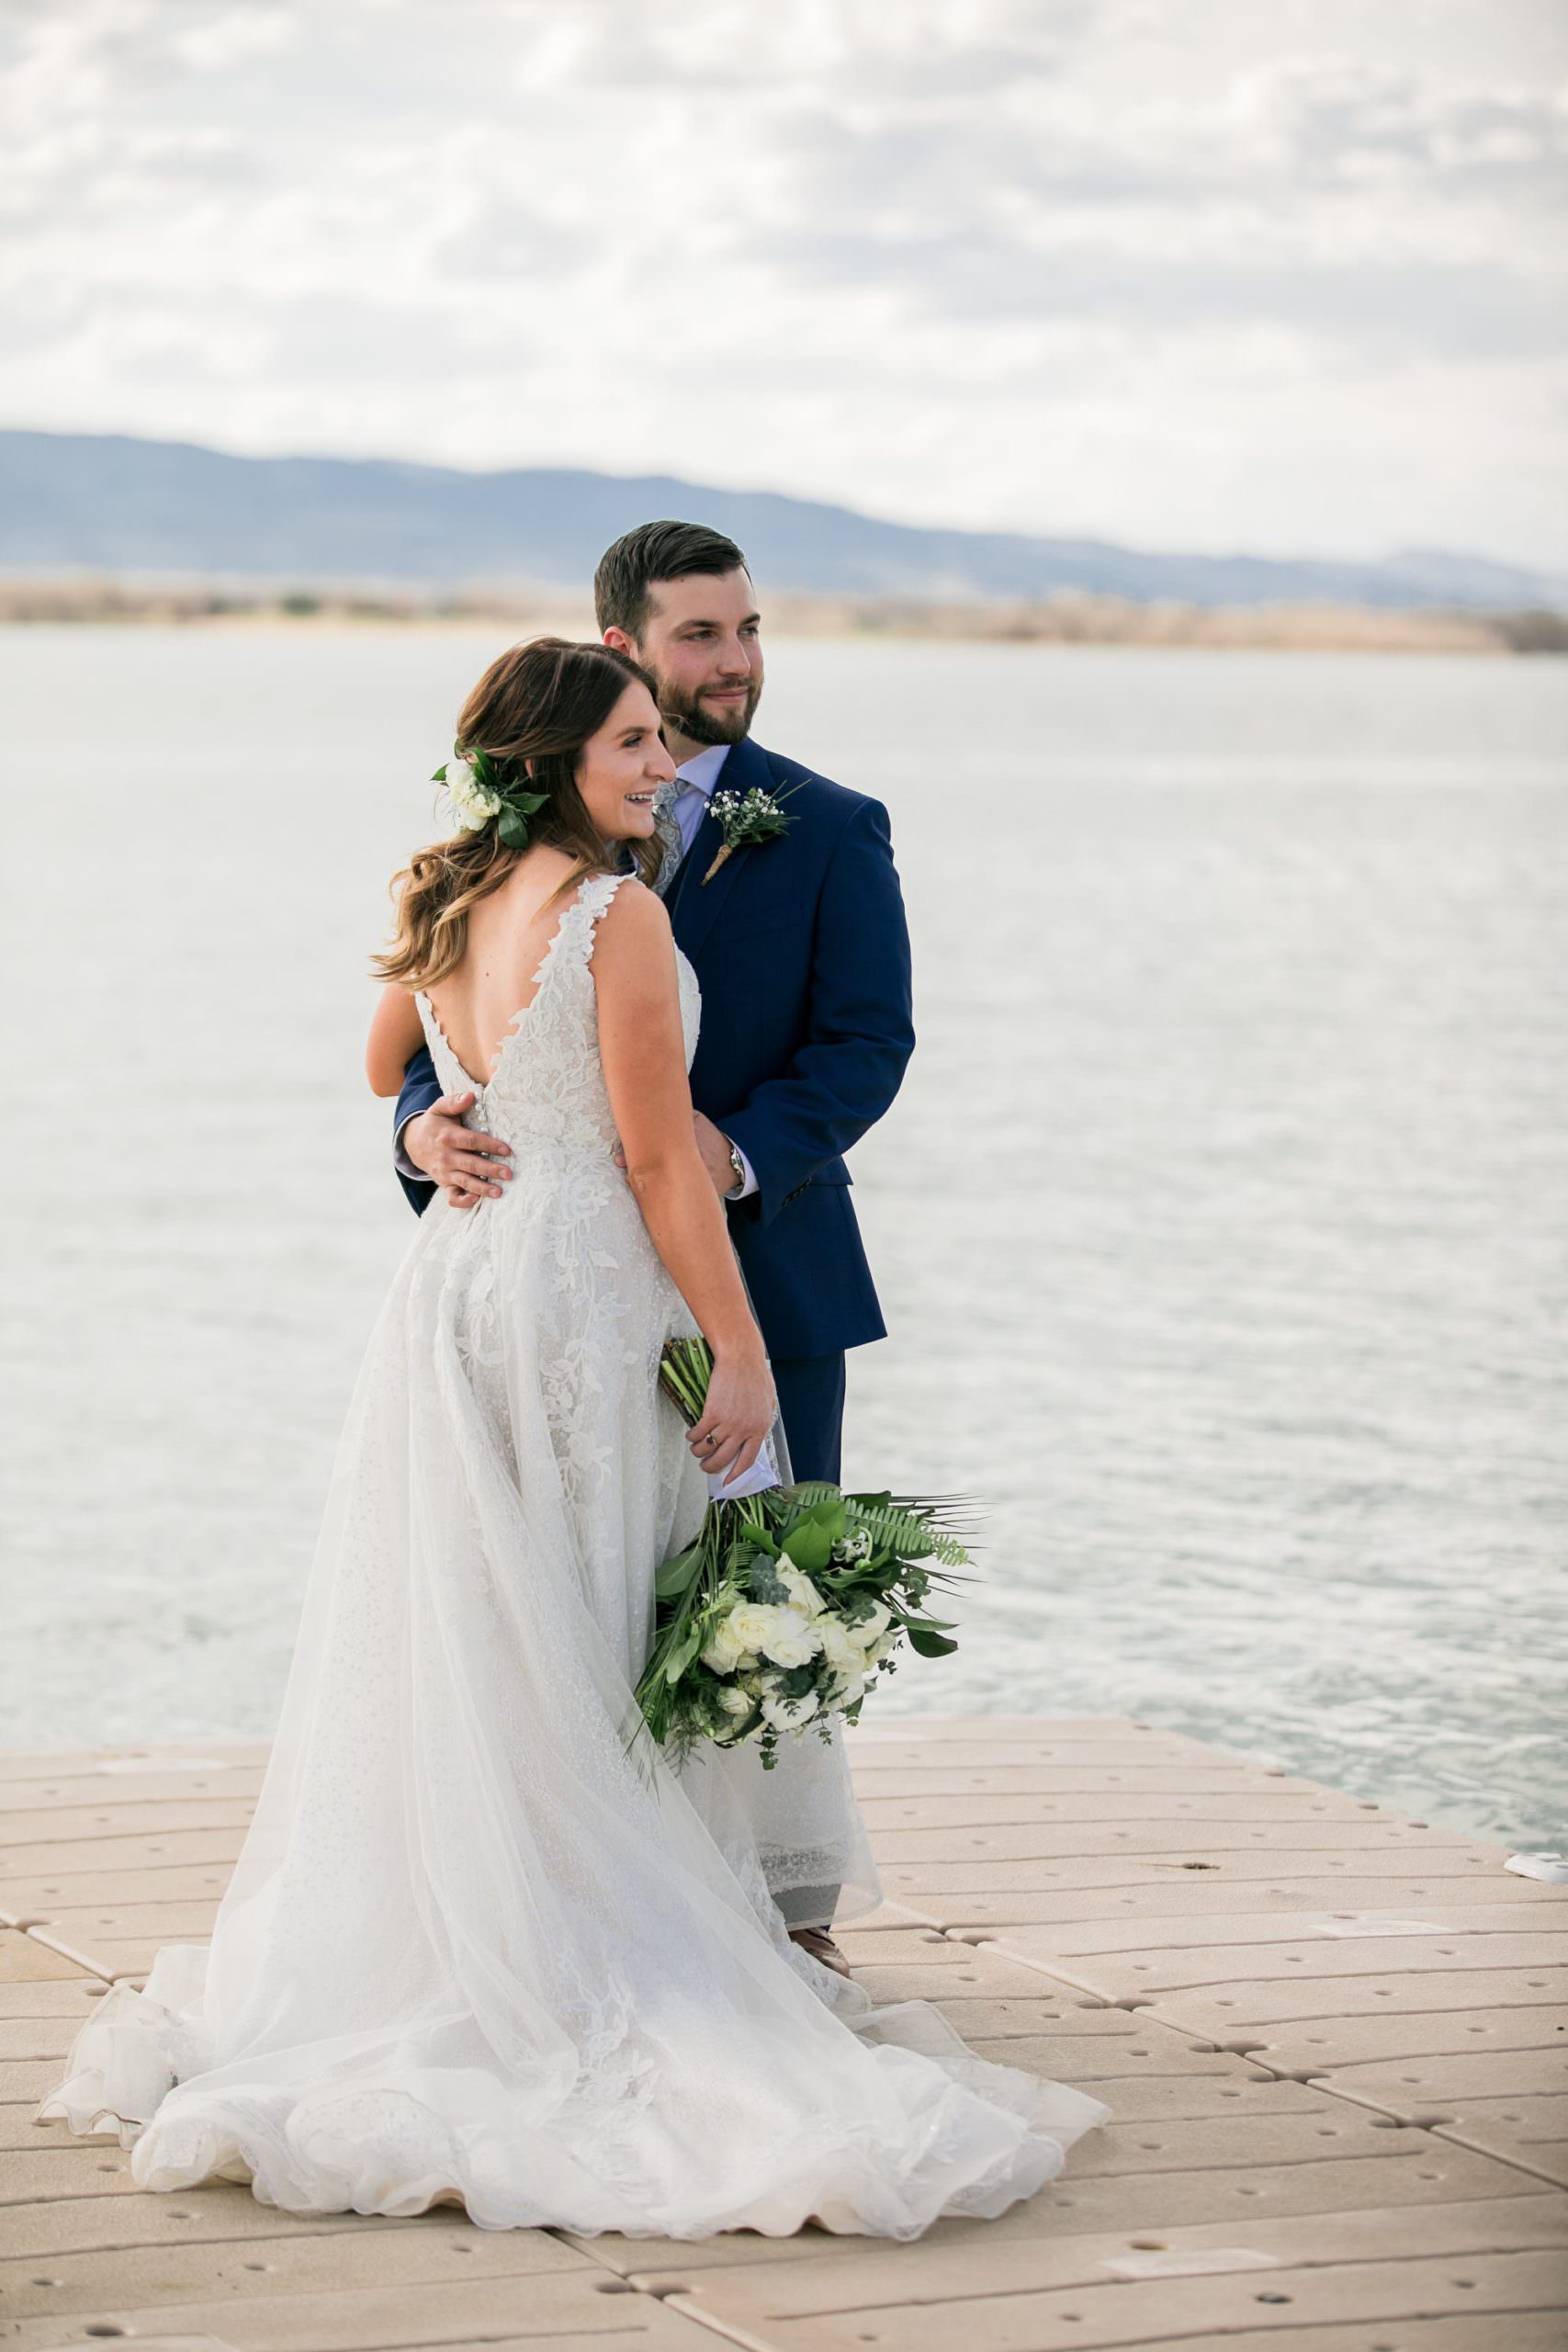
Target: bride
{"points": [[484, 1943]]}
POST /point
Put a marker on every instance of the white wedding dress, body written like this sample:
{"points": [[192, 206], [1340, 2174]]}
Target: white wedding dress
{"points": [[483, 1944]]}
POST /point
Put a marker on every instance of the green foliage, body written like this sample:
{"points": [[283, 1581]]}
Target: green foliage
{"points": [[681, 1656], [928, 1642], [910, 1528], [677, 1575], [508, 781], [809, 1546], [864, 1553]]}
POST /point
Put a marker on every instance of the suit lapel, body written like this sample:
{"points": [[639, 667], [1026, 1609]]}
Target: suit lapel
{"points": [[694, 906], [697, 903]]}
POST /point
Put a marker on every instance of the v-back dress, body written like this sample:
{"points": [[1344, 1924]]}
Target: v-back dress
{"points": [[484, 1944]]}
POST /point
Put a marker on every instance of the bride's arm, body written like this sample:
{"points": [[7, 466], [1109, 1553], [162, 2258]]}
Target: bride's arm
{"points": [[644, 1055], [396, 1035]]}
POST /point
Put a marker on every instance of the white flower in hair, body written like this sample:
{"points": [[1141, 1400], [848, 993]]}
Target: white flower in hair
{"points": [[472, 804]]}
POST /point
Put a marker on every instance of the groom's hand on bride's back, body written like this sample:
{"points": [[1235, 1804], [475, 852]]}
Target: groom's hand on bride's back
{"points": [[467, 1166]]}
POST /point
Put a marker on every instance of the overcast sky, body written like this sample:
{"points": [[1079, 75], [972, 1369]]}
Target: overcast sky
{"points": [[1279, 275]]}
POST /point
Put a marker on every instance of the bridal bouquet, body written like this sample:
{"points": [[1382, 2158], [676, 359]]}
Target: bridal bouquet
{"points": [[789, 1603]]}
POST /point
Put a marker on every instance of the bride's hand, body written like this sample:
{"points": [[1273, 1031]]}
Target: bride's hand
{"points": [[740, 1409]]}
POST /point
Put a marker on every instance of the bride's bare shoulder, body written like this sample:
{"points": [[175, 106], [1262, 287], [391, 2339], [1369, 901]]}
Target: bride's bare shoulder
{"points": [[635, 913], [635, 940]]}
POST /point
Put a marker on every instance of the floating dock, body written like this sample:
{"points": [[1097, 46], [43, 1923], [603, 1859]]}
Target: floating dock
{"points": [[1335, 2042]]}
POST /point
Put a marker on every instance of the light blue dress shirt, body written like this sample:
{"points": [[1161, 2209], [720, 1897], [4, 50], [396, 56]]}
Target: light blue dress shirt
{"points": [[694, 782]]}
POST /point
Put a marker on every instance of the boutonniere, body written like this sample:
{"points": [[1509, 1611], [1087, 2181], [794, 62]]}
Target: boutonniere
{"points": [[754, 818]]}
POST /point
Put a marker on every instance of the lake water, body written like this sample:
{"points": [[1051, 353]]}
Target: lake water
{"points": [[1220, 1223]]}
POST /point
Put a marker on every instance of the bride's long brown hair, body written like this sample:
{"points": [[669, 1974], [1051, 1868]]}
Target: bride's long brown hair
{"points": [[539, 701]]}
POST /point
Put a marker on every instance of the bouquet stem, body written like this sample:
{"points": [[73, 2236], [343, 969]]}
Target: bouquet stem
{"points": [[685, 1369]]}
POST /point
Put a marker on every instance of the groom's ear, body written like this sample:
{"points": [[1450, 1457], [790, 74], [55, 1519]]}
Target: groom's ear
{"points": [[620, 642]]}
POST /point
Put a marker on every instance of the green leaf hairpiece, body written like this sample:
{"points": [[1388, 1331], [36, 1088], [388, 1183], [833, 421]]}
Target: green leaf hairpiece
{"points": [[484, 789]]}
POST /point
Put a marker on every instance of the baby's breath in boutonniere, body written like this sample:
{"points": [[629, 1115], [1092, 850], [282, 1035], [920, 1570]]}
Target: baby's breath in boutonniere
{"points": [[753, 818]]}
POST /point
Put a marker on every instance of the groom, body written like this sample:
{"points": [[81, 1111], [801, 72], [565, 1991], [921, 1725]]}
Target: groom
{"points": [[802, 952]]}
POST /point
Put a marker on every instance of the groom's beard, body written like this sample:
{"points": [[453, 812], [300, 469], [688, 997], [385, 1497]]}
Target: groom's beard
{"points": [[699, 724]]}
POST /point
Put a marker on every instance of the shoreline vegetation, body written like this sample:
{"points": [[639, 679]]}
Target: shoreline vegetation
{"points": [[1066, 618]]}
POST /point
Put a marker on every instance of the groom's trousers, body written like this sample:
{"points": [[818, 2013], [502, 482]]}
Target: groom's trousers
{"points": [[811, 1405]]}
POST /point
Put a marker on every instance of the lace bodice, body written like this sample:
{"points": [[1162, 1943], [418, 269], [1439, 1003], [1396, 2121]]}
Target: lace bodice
{"points": [[547, 1090]]}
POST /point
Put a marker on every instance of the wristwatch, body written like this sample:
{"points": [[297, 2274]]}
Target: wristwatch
{"points": [[739, 1167]]}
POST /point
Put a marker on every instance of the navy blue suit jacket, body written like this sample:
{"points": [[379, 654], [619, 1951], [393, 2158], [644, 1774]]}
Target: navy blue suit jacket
{"points": [[802, 952]]}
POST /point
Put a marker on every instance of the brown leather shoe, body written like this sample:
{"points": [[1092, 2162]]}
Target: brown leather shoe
{"points": [[821, 1945]]}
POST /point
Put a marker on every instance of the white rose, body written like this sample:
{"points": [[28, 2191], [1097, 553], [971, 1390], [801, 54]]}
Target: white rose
{"points": [[790, 1640], [842, 1652], [725, 1650], [736, 1701], [879, 1649], [787, 1714], [803, 1596], [847, 1689], [867, 1630], [748, 1623], [471, 803]]}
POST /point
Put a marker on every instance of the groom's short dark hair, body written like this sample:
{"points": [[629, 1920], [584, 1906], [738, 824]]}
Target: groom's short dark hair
{"points": [[623, 585]]}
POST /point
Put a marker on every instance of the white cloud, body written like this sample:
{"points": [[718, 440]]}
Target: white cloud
{"points": [[1283, 278]]}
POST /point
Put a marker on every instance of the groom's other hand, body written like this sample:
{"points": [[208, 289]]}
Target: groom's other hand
{"points": [[714, 1148], [713, 1143], [469, 1166]]}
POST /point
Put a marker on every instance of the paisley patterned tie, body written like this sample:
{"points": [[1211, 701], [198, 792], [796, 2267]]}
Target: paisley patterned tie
{"points": [[667, 831], [668, 834]]}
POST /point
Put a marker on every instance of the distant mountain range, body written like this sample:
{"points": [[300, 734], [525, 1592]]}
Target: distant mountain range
{"points": [[81, 503]]}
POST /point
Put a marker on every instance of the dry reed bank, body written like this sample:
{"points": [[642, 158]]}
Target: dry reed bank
{"points": [[1065, 620]]}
